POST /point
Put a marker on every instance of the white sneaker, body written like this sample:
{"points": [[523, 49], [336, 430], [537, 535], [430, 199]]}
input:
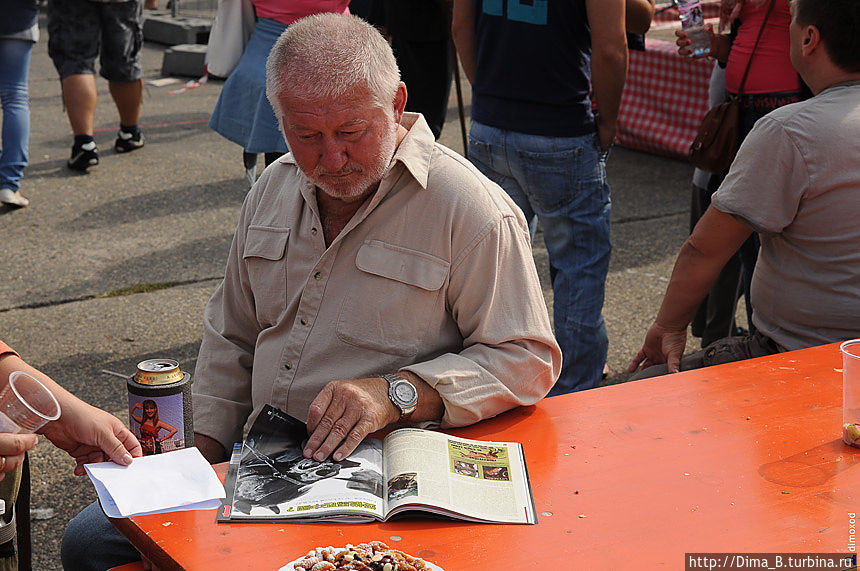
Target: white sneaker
{"points": [[13, 198]]}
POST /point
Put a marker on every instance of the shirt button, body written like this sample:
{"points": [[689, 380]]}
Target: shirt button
{"points": [[288, 365], [317, 275], [304, 321], [314, 231]]}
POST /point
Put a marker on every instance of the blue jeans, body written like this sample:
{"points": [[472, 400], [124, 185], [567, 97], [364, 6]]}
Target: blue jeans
{"points": [[14, 68], [561, 181], [92, 543]]}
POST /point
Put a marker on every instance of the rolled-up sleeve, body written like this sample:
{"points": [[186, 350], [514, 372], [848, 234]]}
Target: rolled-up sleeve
{"points": [[509, 357]]}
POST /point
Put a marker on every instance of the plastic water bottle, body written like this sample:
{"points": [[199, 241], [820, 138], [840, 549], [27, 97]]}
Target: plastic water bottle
{"points": [[693, 24]]}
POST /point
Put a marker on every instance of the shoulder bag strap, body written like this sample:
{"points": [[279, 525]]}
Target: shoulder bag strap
{"points": [[760, 32]]}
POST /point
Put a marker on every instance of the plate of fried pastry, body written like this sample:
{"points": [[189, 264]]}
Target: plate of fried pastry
{"points": [[371, 556]]}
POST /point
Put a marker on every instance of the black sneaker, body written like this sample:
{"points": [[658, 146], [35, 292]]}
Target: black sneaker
{"points": [[127, 142], [84, 156]]}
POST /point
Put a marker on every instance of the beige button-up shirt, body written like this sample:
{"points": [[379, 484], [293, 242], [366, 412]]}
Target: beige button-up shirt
{"points": [[434, 275]]}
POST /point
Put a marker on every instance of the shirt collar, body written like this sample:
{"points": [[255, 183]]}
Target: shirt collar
{"points": [[416, 147]]}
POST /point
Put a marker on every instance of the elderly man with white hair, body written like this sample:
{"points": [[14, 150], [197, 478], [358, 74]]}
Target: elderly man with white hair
{"points": [[375, 277]]}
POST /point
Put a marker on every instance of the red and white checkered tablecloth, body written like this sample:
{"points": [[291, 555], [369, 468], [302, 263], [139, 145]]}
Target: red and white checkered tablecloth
{"points": [[664, 100]]}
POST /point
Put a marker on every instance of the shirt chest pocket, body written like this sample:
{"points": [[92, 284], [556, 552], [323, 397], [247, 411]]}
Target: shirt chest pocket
{"points": [[391, 305], [265, 259]]}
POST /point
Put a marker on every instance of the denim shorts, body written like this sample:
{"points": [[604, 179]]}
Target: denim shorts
{"points": [[81, 30]]}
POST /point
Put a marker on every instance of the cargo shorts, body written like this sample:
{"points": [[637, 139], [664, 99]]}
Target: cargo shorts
{"points": [[726, 350], [81, 30]]}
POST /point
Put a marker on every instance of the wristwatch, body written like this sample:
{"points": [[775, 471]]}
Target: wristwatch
{"points": [[402, 393]]}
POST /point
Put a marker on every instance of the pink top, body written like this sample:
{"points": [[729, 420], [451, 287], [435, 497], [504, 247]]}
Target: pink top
{"points": [[771, 70], [288, 11]]}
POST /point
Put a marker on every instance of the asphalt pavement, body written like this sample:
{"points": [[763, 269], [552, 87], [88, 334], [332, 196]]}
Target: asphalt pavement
{"points": [[108, 268]]}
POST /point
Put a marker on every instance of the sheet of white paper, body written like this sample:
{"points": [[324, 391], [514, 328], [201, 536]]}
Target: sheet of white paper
{"points": [[173, 481]]}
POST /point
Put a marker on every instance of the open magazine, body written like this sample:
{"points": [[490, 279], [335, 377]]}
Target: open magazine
{"points": [[268, 479]]}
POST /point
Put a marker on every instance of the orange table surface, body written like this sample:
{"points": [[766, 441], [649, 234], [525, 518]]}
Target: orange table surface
{"points": [[745, 457]]}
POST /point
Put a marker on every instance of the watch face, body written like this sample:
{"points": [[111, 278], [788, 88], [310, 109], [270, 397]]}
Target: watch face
{"points": [[404, 392]]}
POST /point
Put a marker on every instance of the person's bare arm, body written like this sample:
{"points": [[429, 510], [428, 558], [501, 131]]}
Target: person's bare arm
{"points": [[608, 63], [638, 15], [714, 240], [87, 433], [171, 430], [463, 33]]}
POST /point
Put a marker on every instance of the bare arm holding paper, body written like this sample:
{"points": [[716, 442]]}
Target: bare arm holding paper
{"points": [[87, 433]]}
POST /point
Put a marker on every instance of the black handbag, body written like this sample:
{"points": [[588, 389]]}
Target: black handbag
{"points": [[718, 138]]}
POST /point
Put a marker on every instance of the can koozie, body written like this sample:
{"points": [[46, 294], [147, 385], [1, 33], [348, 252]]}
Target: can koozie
{"points": [[159, 406]]}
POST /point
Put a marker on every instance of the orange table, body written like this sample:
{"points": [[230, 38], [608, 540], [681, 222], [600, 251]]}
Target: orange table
{"points": [[746, 457]]}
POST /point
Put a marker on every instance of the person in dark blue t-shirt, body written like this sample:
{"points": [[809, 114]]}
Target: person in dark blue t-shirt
{"points": [[533, 132]]}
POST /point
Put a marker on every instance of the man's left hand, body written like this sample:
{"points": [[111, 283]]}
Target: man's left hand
{"points": [[344, 413]]}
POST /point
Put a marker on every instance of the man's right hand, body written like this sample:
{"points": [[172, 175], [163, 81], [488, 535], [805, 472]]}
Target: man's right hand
{"points": [[210, 448], [344, 413]]}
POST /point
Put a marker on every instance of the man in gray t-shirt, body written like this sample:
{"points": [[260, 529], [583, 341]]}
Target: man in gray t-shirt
{"points": [[796, 181]]}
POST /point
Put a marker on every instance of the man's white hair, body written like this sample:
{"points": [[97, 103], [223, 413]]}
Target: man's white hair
{"points": [[327, 56]]}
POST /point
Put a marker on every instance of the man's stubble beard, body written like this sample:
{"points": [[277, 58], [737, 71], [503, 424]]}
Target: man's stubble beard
{"points": [[370, 176]]}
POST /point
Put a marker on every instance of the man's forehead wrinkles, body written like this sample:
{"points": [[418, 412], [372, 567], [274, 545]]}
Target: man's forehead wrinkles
{"points": [[312, 117], [314, 125]]}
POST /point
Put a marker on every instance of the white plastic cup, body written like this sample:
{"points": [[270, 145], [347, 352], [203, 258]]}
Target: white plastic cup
{"points": [[26, 405], [851, 392]]}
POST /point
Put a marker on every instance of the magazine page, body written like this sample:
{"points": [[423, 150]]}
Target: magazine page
{"points": [[471, 479], [274, 480], [230, 483]]}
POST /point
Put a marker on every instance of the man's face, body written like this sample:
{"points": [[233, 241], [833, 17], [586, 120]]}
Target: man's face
{"points": [[309, 470], [343, 145]]}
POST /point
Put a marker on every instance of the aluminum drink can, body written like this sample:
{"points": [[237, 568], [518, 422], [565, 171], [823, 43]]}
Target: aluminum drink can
{"points": [[158, 372]]}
